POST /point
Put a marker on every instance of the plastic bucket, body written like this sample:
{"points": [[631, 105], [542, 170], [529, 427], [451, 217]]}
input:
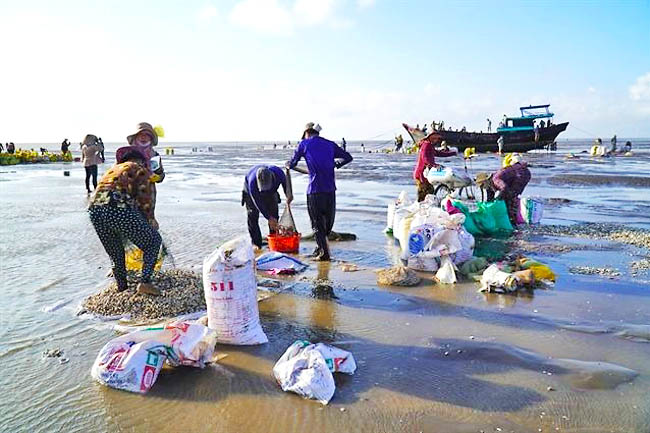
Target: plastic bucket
{"points": [[284, 244]]}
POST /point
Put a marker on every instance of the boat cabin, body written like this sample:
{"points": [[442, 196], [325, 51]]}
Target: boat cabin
{"points": [[526, 122]]}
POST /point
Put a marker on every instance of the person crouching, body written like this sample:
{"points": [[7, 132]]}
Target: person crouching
{"points": [[260, 195], [120, 209], [507, 183]]}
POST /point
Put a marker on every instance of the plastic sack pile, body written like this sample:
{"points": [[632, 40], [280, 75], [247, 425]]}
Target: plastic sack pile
{"points": [[230, 290], [307, 368], [431, 239], [132, 362]]}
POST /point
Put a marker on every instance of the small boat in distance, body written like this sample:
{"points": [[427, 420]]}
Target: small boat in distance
{"points": [[520, 134]]}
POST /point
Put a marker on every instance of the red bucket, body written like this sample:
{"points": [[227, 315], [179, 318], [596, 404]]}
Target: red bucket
{"points": [[284, 244]]}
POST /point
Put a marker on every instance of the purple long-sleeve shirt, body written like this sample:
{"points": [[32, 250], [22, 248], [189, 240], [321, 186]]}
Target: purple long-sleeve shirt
{"points": [[250, 186], [320, 155]]}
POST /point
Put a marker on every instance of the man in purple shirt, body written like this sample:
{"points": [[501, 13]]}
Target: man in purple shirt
{"points": [[260, 195], [321, 156]]}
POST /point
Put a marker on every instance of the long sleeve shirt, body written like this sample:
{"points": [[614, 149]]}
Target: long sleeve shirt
{"points": [[90, 155], [250, 186], [512, 180], [127, 184], [427, 158], [321, 156]]}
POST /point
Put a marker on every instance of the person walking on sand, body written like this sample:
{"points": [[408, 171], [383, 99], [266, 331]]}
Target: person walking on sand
{"points": [[122, 208], [427, 158], [260, 195], [90, 159], [322, 157], [500, 143], [489, 125]]}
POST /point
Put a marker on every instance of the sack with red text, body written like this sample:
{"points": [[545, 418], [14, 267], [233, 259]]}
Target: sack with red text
{"points": [[230, 289], [132, 362]]}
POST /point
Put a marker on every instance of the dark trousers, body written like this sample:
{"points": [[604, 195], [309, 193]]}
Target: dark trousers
{"points": [[270, 202], [91, 170], [322, 211], [114, 224]]}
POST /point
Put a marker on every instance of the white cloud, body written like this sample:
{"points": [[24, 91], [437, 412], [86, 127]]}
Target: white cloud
{"points": [[591, 90], [365, 3], [207, 13], [265, 16], [640, 90], [273, 17]]}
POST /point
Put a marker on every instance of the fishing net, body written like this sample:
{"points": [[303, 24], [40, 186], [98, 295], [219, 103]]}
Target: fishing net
{"points": [[286, 224]]}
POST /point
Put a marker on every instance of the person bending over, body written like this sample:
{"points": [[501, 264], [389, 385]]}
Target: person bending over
{"points": [[122, 208], [260, 195]]}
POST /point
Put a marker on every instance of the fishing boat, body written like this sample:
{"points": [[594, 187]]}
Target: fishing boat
{"points": [[534, 129]]}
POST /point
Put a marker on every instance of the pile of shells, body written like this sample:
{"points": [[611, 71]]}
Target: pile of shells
{"points": [[522, 247], [181, 293], [613, 232], [640, 265], [588, 270]]}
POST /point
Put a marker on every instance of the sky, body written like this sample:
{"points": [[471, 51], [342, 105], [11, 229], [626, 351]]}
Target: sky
{"points": [[247, 70]]}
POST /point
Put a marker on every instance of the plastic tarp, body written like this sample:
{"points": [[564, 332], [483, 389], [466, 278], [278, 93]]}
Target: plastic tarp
{"points": [[275, 263]]}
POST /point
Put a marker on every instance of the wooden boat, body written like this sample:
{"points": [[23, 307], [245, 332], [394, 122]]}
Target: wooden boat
{"points": [[520, 134]]}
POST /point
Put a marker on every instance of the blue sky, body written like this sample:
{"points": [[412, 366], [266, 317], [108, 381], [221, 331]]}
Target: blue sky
{"points": [[260, 69]]}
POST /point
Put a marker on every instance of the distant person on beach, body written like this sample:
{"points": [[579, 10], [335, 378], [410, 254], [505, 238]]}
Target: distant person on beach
{"points": [[11, 148], [322, 157], [542, 124], [65, 146], [121, 209], [100, 146], [2, 148], [424, 129], [43, 151], [489, 125], [145, 138], [363, 148], [344, 144], [536, 130], [260, 195], [399, 142], [613, 143], [500, 143], [90, 158], [427, 158], [628, 146], [507, 183]]}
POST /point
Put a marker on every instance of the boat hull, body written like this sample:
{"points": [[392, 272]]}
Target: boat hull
{"points": [[514, 141]]}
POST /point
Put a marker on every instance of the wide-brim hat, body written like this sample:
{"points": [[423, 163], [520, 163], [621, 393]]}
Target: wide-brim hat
{"points": [[125, 152], [482, 177], [144, 127]]}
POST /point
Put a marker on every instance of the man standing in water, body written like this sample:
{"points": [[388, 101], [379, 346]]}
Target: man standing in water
{"points": [[322, 157], [613, 143]]}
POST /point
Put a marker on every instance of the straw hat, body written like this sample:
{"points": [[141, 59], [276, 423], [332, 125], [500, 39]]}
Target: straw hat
{"points": [[482, 178], [89, 140], [144, 127]]}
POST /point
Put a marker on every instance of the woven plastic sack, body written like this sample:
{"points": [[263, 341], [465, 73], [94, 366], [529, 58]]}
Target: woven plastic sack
{"points": [[230, 291]]}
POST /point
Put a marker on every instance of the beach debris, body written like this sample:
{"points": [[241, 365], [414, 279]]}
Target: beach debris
{"points": [[274, 263], [307, 368], [181, 293], [349, 267], [397, 276], [446, 274], [589, 270], [473, 266], [63, 360], [133, 361], [230, 291], [496, 280], [53, 353], [271, 284]]}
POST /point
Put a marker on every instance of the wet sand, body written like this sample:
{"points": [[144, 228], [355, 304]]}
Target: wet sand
{"points": [[431, 357]]}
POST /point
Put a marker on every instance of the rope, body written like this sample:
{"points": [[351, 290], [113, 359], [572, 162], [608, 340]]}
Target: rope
{"points": [[590, 134]]}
